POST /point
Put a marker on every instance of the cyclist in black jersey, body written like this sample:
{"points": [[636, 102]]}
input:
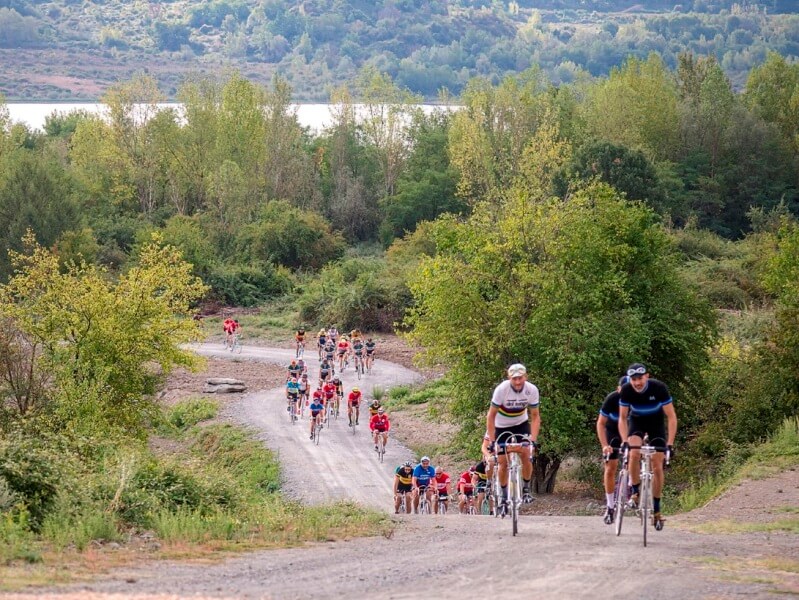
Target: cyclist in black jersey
{"points": [[607, 430], [643, 403]]}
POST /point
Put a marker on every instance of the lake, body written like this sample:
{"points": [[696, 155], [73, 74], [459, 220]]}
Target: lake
{"points": [[315, 116]]}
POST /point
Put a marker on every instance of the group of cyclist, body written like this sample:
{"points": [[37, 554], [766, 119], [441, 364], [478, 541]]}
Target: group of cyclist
{"points": [[635, 410], [329, 393], [333, 349]]}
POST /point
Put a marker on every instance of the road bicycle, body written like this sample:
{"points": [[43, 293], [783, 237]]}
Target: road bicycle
{"points": [[405, 503], [381, 446], [317, 431], [293, 409], [621, 490], [440, 503], [300, 350], [336, 406], [358, 366], [513, 446], [645, 499], [235, 344], [496, 490], [485, 505], [424, 502]]}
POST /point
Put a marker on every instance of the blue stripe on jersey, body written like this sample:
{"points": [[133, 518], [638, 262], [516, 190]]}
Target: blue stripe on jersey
{"points": [[649, 410], [611, 416]]}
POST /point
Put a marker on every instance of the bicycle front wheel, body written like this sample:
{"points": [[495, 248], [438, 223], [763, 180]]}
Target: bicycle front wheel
{"points": [[621, 498], [513, 492], [646, 498]]}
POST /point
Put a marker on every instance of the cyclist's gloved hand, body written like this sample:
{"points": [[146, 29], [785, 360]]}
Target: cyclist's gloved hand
{"points": [[670, 448], [491, 446], [625, 446]]}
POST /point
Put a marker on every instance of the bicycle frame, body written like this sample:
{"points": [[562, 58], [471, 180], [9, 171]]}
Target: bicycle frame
{"points": [[515, 445]]}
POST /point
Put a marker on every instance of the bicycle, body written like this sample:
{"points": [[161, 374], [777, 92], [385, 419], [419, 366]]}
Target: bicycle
{"points": [[235, 344], [424, 502], [381, 446], [621, 491], [358, 366], [369, 361], [485, 506], [645, 501], [336, 406], [293, 410], [317, 431], [514, 447], [300, 350], [404, 505], [440, 503]]}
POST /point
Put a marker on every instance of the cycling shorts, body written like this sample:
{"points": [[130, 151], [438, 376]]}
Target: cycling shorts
{"points": [[381, 429], [354, 403], [482, 486], [342, 352], [468, 492], [369, 352], [612, 435], [443, 496], [653, 425], [404, 488], [293, 397], [315, 413], [503, 436]]}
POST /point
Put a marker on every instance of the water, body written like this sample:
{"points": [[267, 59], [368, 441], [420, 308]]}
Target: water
{"points": [[315, 116]]}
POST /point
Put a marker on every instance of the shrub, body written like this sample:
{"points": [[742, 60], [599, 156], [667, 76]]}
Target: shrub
{"points": [[189, 412], [248, 285]]}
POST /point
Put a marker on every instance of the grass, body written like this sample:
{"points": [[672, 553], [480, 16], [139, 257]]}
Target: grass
{"points": [[217, 490], [790, 525], [275, 322], [435, 392], [778, 453]]}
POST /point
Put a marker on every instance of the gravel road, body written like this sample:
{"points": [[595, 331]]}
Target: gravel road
{"points": [[343, 466], [450, 556]]}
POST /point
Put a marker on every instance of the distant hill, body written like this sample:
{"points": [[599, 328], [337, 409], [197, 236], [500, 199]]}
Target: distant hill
{"points": [[74, 49]]}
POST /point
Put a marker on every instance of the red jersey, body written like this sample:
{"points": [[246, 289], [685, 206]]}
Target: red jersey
{"points": [[466, 481], [342, 346], [354, 398], [379, 423], [329, 389], [317, 395], [227, 325], [442, 482]]}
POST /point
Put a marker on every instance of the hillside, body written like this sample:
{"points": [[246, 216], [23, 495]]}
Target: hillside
{"points": [[66, 49]]}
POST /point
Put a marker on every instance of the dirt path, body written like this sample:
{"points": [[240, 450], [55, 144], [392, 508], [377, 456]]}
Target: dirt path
{"points": [[456, 556], [343, 466]]}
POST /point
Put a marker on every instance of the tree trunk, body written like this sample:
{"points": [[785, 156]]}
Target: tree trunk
{"points": [[546, 468]]}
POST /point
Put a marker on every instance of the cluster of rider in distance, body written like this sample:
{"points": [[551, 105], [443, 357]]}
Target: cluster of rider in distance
{"points": [[630, 420], [335, 352]]}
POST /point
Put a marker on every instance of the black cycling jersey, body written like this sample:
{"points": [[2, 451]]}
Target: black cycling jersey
{"points": [[650, 401], [610, 410]]}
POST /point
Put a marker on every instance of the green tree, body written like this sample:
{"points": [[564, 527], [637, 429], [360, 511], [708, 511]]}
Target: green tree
{"points": [[100, 338], [636, 106], [772, 90], [576, 289]]}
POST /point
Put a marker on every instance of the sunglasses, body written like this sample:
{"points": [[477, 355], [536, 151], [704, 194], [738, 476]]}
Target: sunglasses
{"points": [[636, 371]]}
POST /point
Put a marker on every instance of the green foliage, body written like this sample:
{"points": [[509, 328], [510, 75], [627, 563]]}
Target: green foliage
{"points": [[595, 262], [248, 285], [188, 413], [33, 470], [285, 235], [355, 292], [99, 337]]}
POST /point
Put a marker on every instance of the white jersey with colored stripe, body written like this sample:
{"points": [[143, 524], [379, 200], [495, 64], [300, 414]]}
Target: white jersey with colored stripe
{"points": [[512, 405]]}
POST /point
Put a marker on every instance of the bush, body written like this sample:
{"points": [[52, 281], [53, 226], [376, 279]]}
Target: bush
{"points": [[187, 413], [248, 285], [34, 469]]}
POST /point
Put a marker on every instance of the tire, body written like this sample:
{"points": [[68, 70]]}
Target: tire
{"points": [[645, 499], [381, 448], [317, 434], [621, 498], [485, 506], [513, 491]]}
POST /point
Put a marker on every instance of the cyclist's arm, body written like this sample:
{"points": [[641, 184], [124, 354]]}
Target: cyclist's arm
{"points": [[671, 422], [624, 431], [396, 484], [492, 415], [535, 423], [601, 423]]}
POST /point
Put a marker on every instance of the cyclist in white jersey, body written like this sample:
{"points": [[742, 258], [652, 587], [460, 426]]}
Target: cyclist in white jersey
{"points": [[514, 410]]}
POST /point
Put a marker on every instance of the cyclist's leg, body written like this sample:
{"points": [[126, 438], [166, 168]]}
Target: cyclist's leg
{"points": [[385, 438], [415, 499]]}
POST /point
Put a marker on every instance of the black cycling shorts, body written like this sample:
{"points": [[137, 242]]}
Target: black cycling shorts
{"points": [[614, 439], [503, 436], [404, 489], [652, 425]]}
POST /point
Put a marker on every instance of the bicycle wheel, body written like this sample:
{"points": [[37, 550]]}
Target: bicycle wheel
{"points": [[381, 447], [646, 500], [513, 493], [317, 433], [621, 498], [485, 506], [358, 369], [237, 346]]}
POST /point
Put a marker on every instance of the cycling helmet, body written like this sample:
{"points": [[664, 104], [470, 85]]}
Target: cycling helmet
{"points": [[472, 469], [336, 379], [407, 463], [425, 459], [305, 375], [355, 389]]}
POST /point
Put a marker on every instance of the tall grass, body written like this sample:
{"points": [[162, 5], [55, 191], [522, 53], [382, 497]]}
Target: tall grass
{"points": [[779, 452]]}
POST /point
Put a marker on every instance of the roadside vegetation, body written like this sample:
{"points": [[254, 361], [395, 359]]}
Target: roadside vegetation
{"points": [[647, 216]]}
